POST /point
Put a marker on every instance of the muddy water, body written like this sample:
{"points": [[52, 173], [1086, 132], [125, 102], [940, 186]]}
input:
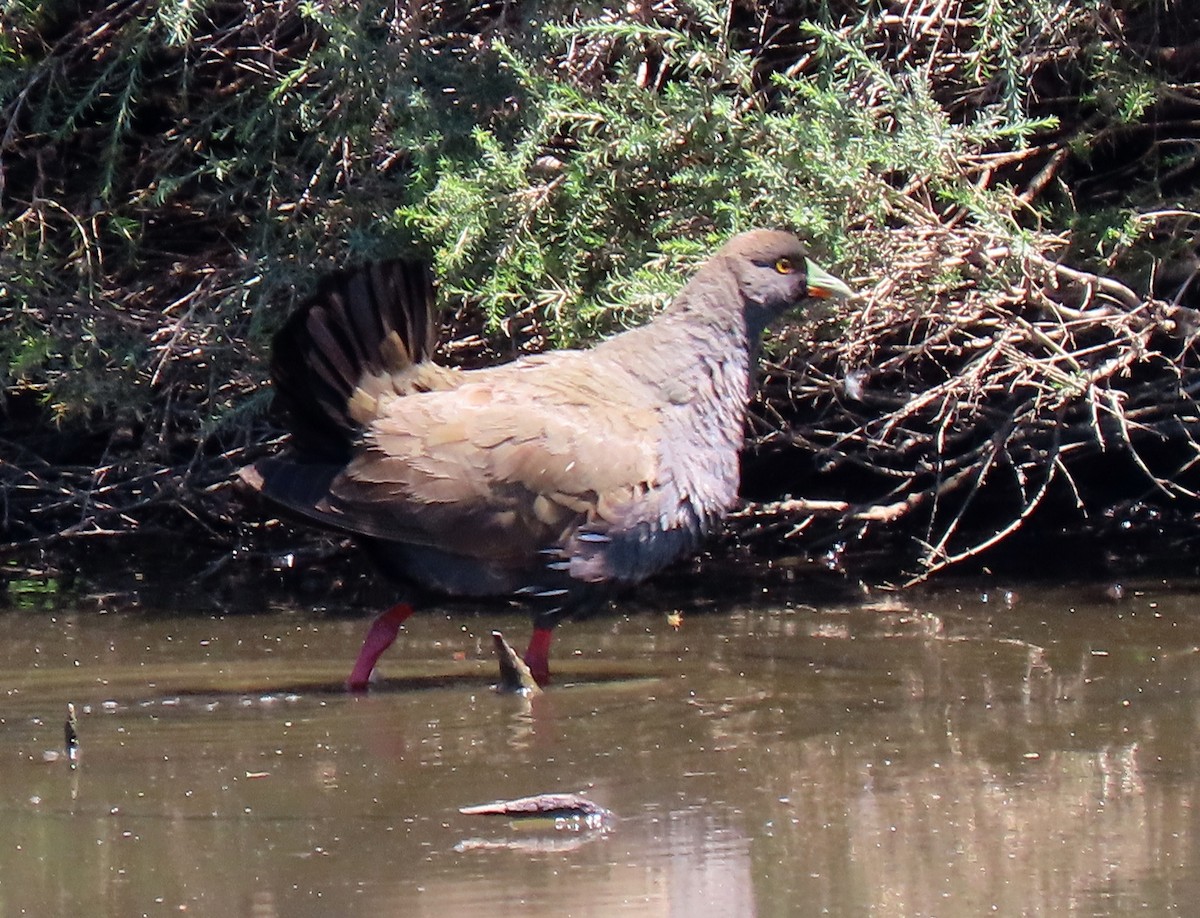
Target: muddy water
{"points": [[925, 755]]}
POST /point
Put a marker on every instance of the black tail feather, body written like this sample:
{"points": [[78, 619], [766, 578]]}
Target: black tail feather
{"points": [[300, 488], [345, 332]]}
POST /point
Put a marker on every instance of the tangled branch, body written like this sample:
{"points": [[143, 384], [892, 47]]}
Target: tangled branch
{"points": [[922, 411]]}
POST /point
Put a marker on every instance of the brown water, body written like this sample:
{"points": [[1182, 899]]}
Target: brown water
{"points": [[919, 755]]}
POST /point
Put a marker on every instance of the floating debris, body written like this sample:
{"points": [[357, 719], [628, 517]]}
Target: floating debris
{"points": [[71, 735], [515, 676], [70, 750], [569, 812]]}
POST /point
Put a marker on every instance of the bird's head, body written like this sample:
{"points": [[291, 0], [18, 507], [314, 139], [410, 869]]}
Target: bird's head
{"points": [[774, 274]]}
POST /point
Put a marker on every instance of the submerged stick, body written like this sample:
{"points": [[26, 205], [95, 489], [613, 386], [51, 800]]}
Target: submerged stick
{"points": [[514, 674], [71, 735]]}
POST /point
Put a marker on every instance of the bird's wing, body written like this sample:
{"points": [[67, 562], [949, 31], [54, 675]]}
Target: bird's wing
{"points": [[504, 466]]}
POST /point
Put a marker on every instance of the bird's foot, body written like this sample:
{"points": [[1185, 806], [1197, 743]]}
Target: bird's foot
{"points": [[380, 636]]}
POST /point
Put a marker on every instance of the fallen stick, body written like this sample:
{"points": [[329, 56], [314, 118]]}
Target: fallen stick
{"points": [[515, 676]]}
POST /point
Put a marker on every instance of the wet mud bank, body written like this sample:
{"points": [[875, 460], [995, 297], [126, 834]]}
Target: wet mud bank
{"points": [[1136, 542]]}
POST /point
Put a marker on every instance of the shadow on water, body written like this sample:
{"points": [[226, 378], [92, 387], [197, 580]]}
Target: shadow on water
{"points": [[952, 753], [473, 681]]}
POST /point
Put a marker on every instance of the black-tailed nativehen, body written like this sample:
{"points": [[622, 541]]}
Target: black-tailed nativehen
{"points": [[559, 477]]}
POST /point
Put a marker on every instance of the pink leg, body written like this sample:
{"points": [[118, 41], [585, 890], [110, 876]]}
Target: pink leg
{"points": [[537, 655], [379, 638]]}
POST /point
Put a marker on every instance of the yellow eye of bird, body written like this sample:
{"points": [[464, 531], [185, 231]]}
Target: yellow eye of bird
{"points": [[785, 266]]}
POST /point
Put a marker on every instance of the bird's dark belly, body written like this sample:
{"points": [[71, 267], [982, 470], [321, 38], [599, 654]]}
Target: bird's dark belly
{"points": [[444, 572]]}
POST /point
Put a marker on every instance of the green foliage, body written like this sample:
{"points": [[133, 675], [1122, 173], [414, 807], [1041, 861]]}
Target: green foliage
{"points": [[173, 171], [586, 208]]}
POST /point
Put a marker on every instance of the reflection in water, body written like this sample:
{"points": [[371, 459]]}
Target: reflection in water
{"points": [[939, 756]]}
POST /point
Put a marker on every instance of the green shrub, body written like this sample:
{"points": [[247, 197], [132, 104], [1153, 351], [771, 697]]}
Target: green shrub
{"points": [[174, 172]]}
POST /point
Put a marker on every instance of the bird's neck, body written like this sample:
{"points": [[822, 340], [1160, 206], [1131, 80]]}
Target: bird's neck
{"points": [[692, 365], [697, 356], [721, 343]]}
